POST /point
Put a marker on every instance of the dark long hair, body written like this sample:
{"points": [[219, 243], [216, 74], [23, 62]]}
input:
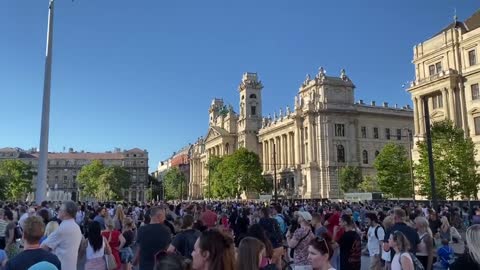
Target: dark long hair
{"points": [[95, 237], [257, 231], [221, 253]]}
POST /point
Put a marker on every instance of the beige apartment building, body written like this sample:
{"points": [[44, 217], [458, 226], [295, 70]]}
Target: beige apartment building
{"points": [[447, 75], [63, 168], [323, 132]]}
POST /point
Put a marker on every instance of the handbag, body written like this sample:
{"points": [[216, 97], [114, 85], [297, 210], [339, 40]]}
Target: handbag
{"points": [[109, 258], [292, 251]]}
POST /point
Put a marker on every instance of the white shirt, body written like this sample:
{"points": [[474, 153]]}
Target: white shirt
{"points": [[373, 244], [65, 242], [396, 260], [95, 254], [22, 219]]}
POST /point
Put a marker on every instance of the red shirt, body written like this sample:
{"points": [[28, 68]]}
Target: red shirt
{"points": [[209, 218], [333, 220]]}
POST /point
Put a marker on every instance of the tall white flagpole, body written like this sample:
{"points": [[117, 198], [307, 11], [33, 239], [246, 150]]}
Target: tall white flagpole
{"points": [[41, 185]]}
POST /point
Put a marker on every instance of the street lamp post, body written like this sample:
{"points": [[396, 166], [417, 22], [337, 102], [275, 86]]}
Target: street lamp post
{"points": [[409, 137], [41, 185], [431, 168]]}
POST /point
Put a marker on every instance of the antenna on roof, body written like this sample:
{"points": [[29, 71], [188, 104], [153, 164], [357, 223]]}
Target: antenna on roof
{"points": [[455, 18]]}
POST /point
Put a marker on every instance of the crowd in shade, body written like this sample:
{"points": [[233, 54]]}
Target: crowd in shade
{"points": [[238, 235]]}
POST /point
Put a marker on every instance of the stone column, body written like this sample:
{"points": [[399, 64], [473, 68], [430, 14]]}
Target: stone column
{"points": [[297, 143], [451, 104], [421, 116], [416, 119], [446, 104], [288, 150], [463, 111]]}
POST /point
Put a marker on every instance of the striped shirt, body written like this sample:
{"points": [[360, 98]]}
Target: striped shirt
{"points": [[3, 227]]}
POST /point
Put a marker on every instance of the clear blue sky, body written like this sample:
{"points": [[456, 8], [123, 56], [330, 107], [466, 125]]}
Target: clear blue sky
{"points": [[142, 73]]}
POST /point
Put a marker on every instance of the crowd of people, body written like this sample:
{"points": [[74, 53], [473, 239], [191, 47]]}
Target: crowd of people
{"points": [[238, 236]]}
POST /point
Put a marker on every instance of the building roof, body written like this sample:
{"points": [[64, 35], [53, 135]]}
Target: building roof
{"points": [[10, 149], [83, 156], [471, 23]]}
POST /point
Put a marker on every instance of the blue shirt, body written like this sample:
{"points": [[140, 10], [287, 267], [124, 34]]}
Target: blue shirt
{"points": [[281, 222]]}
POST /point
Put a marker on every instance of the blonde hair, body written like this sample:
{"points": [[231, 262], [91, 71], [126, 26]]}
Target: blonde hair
{"points": [[109, 224], [444, 220], [51, 227], [388, 222], [119, 214], [401, 241], [423, 222], [473, 242]]}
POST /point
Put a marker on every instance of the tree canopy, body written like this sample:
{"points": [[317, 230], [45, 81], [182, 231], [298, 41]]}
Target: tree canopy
{"points": [[174, 182], [237, 173], [101, 182], [393, 171], [454, 163], [350, 178], [15, 179]]}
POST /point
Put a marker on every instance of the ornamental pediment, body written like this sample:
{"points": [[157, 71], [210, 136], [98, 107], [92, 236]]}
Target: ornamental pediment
{"points": [[437, 114], [475, 110], [215, 132]]}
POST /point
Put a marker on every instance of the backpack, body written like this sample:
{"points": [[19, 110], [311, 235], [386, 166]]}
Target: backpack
{"points": [[286, 219], [417, 265], [376, 231], [17, 232]]}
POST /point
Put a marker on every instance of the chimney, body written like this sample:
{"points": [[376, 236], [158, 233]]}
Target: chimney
{"points": [[361, 101], [385, 104], [396, 106], [373, 103], [70, 150], [408, 107]]}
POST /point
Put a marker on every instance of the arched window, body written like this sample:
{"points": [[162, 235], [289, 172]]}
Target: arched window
{"points": [[376, 153], [365, 157], [227, 148], [253, 96], [340, 153]]}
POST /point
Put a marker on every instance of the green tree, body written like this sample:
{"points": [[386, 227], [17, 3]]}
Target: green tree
{"points": [[89, 179], [113, 181], [350, 178], [454, 163], [15, 179], [238, 173], [368, 184], [212, 167], [393, 171], [173, 181]]}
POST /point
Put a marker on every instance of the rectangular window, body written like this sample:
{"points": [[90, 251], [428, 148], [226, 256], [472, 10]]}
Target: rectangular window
{"points": [[437, 101], [364, 132], [375, 133], [431, 70], [475, 92], [472, 57], [387, 133], [476, 120], [438, 67], [253, 110], [399, 134], [340, 130]]}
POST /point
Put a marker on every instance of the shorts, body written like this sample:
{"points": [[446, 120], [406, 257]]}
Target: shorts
{"points": [[126, 255]]}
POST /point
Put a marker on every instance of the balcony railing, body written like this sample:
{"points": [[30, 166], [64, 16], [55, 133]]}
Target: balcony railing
{"points": [[442, 74]]}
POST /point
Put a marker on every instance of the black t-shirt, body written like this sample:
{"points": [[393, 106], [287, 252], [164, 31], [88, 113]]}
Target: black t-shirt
{"points": [[434, 225], [409, 233], [185, 241], [152, 238], [350, 251], [128, 235], [29, 257], [464, 262]]}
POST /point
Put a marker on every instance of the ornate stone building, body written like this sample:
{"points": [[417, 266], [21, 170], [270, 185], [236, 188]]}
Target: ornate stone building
{"points": [[447, 74], [64, 167], [325, 131]]}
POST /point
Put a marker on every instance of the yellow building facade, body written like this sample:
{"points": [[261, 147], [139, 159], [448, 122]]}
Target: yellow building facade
{"points": [[447, 76], [325, 130]]}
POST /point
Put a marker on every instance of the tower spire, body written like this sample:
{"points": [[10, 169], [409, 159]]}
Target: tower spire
{"points": [[455, 18]]}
